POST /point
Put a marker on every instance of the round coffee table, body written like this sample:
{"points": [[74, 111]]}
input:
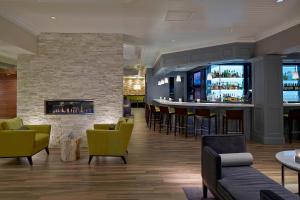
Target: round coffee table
{"points": [[287, 159]]}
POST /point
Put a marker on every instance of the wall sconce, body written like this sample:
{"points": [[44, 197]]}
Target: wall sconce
{"points": [[209, 77], [166, 80], [178, 78]]}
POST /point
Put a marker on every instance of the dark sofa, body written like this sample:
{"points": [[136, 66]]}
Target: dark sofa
{"points": [[235, 182]]}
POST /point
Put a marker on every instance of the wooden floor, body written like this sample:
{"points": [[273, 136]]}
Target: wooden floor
{"points": [[159, 166]]}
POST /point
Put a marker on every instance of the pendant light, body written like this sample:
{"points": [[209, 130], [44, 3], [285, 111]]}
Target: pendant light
{"points": [[158, 83], [178, 78], [162, 81], [166, 80]]}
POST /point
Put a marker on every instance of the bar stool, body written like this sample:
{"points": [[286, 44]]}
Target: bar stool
{"points": [[165, 116], [234, 115], [181, 119], [154, 115], [147, 113], [204, 114], [293, 115]]}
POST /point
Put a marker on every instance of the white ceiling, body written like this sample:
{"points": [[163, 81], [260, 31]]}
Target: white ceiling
{"points": [[158, 26]]}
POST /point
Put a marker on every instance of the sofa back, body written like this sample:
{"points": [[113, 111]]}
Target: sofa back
{"points": [[225, 143]]}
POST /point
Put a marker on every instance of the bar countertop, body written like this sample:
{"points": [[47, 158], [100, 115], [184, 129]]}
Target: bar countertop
{"points": [[291, 104], [195, 104]]}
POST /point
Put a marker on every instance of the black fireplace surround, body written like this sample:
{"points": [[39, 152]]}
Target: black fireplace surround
{"points": [[69, 107]]}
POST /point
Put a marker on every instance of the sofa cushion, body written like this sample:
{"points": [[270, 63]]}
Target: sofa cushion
{"points": [[236, 159], [246, 182], [41, 141], [13, 124]]}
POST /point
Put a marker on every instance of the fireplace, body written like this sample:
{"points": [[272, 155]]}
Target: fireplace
{"points": [[69, 107]]}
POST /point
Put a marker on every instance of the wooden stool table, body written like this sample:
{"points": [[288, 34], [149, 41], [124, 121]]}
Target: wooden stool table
{"points": [[70, 149]]}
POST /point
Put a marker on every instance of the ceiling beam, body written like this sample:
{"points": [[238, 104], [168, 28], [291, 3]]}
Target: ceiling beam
{"points": [[14, 35]]}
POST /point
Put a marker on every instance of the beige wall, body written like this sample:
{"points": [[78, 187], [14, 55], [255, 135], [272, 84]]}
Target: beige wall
{"points": [[14, 35], [280, 42], [72, 66]]}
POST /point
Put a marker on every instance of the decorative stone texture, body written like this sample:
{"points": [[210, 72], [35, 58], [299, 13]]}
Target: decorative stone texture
{"points": [[128, 86], [72, 66]]}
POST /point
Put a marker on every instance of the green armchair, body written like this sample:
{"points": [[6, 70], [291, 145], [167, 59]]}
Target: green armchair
{"points": [[110, 140], [18, 140]]}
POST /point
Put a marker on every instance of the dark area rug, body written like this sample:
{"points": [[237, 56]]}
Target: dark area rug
{"points": [[195, 193]]}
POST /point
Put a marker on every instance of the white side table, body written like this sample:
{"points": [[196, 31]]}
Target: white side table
{"points": [[287, 159]]}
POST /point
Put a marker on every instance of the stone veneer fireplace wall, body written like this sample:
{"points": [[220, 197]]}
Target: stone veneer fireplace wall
{"points": [[71, 66]]}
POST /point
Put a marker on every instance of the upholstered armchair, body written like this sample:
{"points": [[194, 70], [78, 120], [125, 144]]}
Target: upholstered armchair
{"points": [[18, 140], [109, 139]]}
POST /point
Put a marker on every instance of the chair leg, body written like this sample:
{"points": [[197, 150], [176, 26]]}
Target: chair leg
{"points": [[47, 150], [29, 160], [209, 121], [161, 120], [195, 131], [124, 160], [204, 188], [90, 159], [290, 122], [175, 124], [155, 118], [186, 126], [216, 132]]}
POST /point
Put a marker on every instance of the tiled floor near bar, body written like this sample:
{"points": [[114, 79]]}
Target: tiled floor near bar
{"points": [[159, 166]]}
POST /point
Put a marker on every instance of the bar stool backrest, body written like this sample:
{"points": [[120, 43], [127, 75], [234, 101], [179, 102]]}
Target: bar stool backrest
{"points": [[164, 109], [181, 111], [294, 114], [202, 112], [234, 114], [152, 108]]}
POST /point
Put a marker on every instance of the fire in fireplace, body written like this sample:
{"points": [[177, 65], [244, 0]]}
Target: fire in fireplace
{"points": [[69, 107]]}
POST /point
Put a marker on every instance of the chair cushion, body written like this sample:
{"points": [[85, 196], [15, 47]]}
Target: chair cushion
{"points": [[246, 182], [41, 141], [236, 159], [13, 124]]}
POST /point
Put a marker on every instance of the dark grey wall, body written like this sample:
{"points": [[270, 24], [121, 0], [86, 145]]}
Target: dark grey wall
{"points": [[280, 43], [267, 99], [154, 91], [192, 58]]}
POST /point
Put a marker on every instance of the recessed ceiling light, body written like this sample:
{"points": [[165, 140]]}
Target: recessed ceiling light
{"points": [[52, 17], [279, 1], [173, 40]]}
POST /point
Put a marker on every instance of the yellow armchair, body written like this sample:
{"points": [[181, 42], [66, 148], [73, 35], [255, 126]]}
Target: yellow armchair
{"points": [[18, 140], [105, 142]]}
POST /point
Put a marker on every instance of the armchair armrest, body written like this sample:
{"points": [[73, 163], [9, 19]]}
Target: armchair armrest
{"points": [[44, 128], [210, 168], [104, 126], [269, 195], [16, 142]]}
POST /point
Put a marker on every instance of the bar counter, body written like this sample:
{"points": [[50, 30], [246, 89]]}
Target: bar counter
{"points": [[195, 104], [218, 108]]}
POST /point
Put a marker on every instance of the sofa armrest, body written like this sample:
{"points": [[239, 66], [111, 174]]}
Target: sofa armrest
{"points": [[269, 195], [211, 168], [44, 128], [15, 143], [104, 126]]}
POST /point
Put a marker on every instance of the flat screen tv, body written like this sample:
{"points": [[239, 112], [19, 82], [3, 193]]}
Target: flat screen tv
{"points": [[197, 79]]}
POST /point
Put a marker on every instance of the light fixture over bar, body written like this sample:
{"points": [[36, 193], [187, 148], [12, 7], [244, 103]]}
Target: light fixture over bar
{"points": [[178, 78], [166, 80]]}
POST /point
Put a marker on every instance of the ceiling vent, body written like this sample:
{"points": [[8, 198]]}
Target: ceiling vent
{"points": [[178, 15]]}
